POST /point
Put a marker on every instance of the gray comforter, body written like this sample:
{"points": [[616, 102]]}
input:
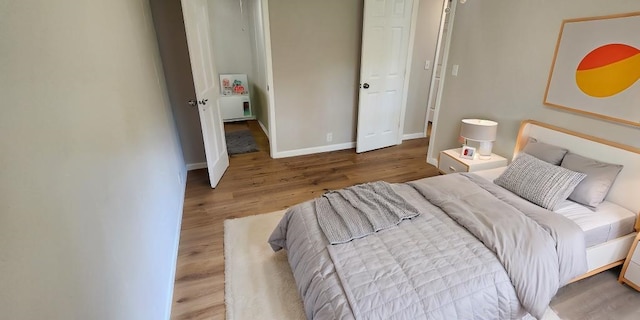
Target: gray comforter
{"points": [[476, 251]]}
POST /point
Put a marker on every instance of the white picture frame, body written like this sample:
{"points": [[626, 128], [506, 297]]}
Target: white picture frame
{"points": [[467, 152]]}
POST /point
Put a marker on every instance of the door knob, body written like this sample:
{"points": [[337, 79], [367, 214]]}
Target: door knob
{"points": [[194, 103], [365, 85]]}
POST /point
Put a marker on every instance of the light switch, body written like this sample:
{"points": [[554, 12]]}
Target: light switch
{"points": [[454, 70], [427, 65]]}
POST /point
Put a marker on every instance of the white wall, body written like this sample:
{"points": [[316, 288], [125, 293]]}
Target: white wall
{"points": [[90, 190], [505, 50], [230, 32]]}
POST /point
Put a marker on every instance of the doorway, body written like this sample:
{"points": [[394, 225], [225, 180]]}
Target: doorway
{"points": [[438, 77], [170, 31], [239, 51]]}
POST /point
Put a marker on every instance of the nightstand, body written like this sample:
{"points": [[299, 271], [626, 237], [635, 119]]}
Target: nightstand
{"points": [[449, 161], [631, 269]]}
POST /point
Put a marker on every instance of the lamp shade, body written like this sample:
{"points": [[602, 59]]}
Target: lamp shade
{"points": [[479, 130]]}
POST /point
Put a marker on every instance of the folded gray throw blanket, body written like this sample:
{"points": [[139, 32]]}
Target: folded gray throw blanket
{"points": [[358, 211]]}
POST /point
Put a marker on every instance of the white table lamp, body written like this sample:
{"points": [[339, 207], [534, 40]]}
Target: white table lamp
{"points": [[481, 131]]}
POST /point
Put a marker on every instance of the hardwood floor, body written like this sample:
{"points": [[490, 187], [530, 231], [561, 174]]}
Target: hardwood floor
{"points": [[599, 297], [254, 184]]}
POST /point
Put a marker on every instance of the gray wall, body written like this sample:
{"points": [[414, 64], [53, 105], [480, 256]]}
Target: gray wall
{"points": [[92, 178], [316, 61], [424, 48], [505, 50], [315, 48], [172, 41]]}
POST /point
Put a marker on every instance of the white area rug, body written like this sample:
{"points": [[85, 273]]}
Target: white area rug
{"points": [[258, 282]]}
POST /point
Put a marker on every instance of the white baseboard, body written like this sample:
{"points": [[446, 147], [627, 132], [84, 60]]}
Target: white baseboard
{"points": [[176, 247], [413, 136], [264, 129], [196, 166], [321, 149], [433, 161]]}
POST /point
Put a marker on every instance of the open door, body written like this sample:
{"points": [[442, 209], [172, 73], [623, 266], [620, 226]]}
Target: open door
{"points": [[196, 22], [385, 49]]}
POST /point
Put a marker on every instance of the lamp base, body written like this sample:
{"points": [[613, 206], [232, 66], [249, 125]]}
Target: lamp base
{"points": [[484, 151]]}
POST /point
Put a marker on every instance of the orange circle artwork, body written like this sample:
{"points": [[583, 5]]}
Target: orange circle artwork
{"points": [[608, 70]]}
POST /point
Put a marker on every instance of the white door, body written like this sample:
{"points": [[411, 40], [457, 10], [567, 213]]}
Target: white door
{"points": [[385, 48], [196, 22]]}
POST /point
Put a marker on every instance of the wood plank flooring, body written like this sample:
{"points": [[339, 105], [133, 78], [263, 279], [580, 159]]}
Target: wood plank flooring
{"points": [[254, 184], [599, 297]]}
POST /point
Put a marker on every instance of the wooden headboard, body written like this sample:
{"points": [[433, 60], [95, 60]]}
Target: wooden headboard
{"points": [[625, 190]]}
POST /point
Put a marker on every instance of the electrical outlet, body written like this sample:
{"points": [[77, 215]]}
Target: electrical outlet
{"points": [[329, 136]]}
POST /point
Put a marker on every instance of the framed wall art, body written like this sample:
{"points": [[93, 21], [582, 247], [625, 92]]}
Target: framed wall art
{"points": [[596, 68]]}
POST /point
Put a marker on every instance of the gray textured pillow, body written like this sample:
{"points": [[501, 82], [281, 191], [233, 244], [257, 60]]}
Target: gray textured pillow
{"points": [[545, 152], [539, 182], [600, 176]]}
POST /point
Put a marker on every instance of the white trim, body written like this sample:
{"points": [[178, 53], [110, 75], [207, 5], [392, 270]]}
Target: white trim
{"points": [[443, 76], [176, 247], [321, 149], [239, 119], [410, 136], [430, 114], [264, 129], [196, 166], [407, 74], [273, 145]]}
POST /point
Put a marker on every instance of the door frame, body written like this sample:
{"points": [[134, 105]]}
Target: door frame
{"points": [[434, 73], [431, 159], [271, 117]]}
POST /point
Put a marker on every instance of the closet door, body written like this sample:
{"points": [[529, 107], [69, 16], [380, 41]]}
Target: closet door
{"points": [[385, 49]]}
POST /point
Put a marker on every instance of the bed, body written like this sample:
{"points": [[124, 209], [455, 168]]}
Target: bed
{"points": [[474, 251]]}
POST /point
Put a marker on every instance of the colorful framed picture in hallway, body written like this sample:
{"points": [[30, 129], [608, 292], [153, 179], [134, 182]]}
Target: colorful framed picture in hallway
{"points": [[596, 68]]}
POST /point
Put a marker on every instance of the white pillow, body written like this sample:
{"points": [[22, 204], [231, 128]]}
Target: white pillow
{"points": [[538, 181]]}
